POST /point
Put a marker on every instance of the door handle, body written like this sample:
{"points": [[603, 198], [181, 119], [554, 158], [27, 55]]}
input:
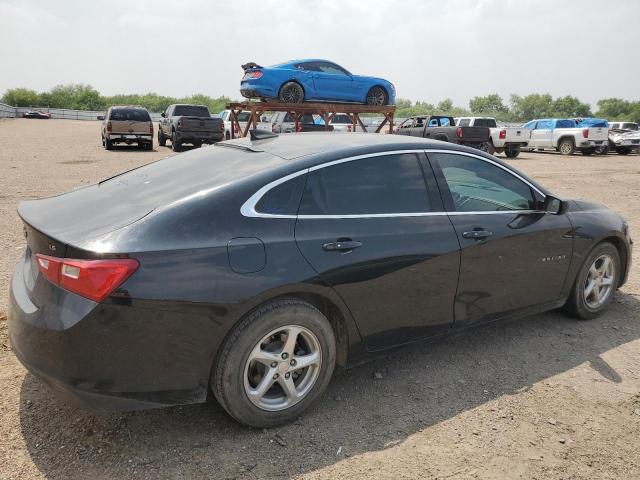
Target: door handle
{"points": [[477, 234], [341, 246]]}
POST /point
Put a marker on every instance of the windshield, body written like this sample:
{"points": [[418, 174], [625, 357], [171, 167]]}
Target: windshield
{"points": [[191, 111]]}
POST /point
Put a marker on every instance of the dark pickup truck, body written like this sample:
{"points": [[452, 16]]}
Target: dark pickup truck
{"points": [[439, 127], [189, 124]]}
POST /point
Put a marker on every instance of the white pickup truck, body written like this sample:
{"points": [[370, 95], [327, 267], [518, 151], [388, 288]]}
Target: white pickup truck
{"points": [[565, 136], [243, 118], [502, 139]]}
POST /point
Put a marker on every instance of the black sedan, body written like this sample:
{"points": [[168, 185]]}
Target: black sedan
{"points": [[252, 268]]}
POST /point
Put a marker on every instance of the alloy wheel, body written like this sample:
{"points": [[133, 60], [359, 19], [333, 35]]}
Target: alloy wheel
{"points": [[599, 283], [376, 96], [282, 368]]}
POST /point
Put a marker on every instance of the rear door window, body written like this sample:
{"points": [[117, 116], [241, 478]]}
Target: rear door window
{"points": [[565, 124], [388, 184], [130, 114], [544, 125]]}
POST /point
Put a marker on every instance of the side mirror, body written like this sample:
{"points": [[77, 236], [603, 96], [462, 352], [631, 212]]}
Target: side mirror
{"points": [[163, 115], [100, 117], [552, 205]]}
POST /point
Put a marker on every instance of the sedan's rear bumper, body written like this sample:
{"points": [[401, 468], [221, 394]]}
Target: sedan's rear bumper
{"points": [[103, 356]]}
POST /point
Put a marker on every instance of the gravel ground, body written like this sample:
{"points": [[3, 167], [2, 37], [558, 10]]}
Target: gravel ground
{"points": [[544, 397]]}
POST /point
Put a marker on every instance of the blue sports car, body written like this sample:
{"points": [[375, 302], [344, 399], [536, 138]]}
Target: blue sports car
{"points": [[298, 81]]}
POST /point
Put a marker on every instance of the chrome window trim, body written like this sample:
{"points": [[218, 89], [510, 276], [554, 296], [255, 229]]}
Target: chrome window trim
{"points": [[248, 208]]}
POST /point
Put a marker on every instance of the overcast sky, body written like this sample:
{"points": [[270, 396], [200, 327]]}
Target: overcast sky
{"points": [[429, 49]]}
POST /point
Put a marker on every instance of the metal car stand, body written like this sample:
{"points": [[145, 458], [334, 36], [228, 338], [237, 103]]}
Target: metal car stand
{"points": [[326, 110]]}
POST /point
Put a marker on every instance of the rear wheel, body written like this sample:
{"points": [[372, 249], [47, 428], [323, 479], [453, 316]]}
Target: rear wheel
{"points": [[588, 151], [566, 146], [511, 152], [108, 144], [162, 140], [197, 144], [489, 148], [602, 150], [291, 92], [377, 96], [176, 145], [623, 150], [275, 364], [596, 282]]}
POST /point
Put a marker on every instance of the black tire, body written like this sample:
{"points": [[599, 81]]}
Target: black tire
{"points": [[228, 375], [489, 148], [197, 144], [576, 303], [291, 92], [108, 144], [566, 146], [227, 136], [511, 152], [602, 150], [588, 151], [376, 96], [623, 150], [176, 145], [162, 140]]}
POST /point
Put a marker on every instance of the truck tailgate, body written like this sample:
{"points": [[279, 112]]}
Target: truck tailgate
{"points": [[598, 133], [202, 124], [473, 134], [516, 134], [131, 127]]}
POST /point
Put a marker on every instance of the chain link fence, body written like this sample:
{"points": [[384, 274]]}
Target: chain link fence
{"points": [[7, 111]]}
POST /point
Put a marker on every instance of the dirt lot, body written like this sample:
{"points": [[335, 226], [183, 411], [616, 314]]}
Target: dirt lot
{"points": [[546, 397]]}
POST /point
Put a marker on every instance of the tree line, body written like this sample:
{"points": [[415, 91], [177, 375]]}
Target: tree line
{"points": [[516, 109]]}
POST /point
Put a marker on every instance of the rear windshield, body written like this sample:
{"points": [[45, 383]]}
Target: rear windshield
{"points": [[565, 124], [192, 111], [629, 126], [484, 122], [130, 114]]}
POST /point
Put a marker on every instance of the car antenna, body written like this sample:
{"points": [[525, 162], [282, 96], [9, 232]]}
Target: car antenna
{"points": [[257, 134]]}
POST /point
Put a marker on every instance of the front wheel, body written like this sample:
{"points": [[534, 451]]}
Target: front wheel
{"points": [[377, 96], [623, 150], [596, 283], [275, 364], [291, 92]]}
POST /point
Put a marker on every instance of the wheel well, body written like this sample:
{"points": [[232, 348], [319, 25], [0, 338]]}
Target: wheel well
{"points": [[622, 250], [386, 93], [292, 81], [335, 317], [441, 137], [567, 137]]}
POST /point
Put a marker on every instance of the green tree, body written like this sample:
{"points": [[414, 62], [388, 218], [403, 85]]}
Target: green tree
{"points": [[488, 105], [532, 106], [570, 107], [21, 97]]}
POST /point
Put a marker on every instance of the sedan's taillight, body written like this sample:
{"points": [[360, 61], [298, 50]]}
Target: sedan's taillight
{"points": [[459, 132], [92, 279], [585, 133], [503, 134]]}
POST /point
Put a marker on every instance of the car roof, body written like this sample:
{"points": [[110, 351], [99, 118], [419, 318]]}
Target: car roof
{"points": [[290, 147]]}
